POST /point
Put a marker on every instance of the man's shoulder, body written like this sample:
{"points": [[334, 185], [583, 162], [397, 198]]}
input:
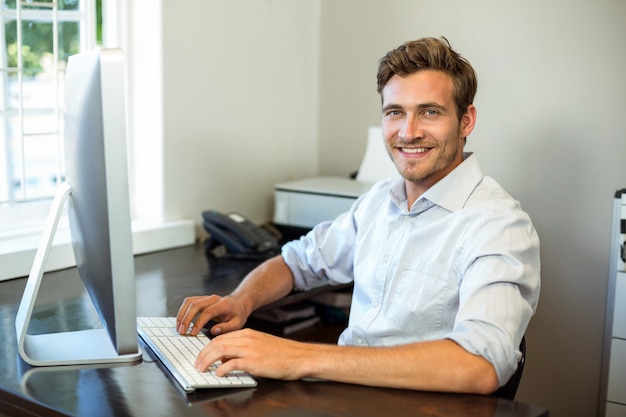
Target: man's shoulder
{"points": [[490, 195]]}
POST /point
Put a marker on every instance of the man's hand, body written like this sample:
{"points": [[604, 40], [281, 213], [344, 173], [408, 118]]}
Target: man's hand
{"points": [[266, 283], [257, 353], [229, 312]]}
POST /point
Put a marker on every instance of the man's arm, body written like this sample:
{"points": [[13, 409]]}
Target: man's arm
{"points": [[266, 283], [439, 365]]}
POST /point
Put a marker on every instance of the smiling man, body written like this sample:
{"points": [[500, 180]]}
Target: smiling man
{"points": [[445, 264]]}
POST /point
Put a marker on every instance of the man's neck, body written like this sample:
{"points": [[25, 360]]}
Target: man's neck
{"points": [[414, 191]]}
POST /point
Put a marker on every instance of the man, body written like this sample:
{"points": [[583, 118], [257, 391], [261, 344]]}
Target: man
{"points": [[444, 262]]}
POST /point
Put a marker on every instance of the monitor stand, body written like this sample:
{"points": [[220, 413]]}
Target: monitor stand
{"points": [[91, 346]]}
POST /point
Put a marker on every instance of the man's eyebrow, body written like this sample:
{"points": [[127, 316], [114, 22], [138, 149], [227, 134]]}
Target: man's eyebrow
{"points": [[432, 105], [421, 106], [391, 106]]}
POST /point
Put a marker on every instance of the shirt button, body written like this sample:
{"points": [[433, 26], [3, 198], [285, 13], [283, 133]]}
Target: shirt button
{"points": [[359, 341]]}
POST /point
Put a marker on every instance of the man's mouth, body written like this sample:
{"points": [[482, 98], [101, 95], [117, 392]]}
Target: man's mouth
{"points": [[414, 150]]}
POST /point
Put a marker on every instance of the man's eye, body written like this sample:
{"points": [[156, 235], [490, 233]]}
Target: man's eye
{"points": [[431, 112], [393, 113]]}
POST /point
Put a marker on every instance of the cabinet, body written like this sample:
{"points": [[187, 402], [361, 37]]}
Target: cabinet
{"points": [[613, 399]]}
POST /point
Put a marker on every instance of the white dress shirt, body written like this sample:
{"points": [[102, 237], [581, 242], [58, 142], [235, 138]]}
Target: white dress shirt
{"points": [[462, 264]]}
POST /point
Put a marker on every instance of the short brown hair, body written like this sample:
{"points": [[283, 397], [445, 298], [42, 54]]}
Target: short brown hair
{"points": [[434, 54]]}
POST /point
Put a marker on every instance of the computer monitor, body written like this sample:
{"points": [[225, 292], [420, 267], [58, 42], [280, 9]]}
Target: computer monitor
{"points": [[96, 194]]}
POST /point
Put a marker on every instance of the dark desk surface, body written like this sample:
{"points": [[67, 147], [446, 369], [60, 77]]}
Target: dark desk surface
{"points": [[143, 389]]}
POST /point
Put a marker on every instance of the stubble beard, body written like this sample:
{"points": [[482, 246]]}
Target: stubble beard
{"points": [[418, 171]]}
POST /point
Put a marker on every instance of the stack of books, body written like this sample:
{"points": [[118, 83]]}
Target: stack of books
{"points": [[286, 320]]}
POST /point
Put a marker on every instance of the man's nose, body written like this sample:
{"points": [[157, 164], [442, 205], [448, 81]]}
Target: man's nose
{"points": [[411, 129]]}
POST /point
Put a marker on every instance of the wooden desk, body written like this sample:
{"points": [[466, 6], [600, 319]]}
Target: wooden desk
{"points": [[144, 389]]}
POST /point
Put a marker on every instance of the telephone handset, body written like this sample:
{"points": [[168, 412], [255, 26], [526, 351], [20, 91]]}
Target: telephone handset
{"points": [[238, 234]]}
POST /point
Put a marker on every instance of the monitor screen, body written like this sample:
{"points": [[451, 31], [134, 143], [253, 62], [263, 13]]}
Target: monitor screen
{"points": [[96, 195]]}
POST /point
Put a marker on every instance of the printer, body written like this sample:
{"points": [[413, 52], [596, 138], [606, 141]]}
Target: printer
{"points": [[307, 202]]}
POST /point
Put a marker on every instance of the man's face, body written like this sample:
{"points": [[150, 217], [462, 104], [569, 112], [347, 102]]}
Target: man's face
{"points": [[422, 132]]}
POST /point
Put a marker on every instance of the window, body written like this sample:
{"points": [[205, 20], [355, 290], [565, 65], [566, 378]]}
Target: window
{"points": [[37, 38], [31, 125]]}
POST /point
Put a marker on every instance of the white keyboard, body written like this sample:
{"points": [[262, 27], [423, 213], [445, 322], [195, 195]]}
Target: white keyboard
{"points": [[178, 354]]}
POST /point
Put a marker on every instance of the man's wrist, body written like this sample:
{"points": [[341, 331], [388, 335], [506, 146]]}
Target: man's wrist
{"points": [[246, 303]]}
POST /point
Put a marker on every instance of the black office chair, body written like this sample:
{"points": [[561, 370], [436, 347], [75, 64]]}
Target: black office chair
{"points": [[509, 389]]}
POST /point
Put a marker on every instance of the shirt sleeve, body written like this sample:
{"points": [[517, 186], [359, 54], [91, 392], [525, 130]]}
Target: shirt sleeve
{"points": [[325, 255], [499, 289]]}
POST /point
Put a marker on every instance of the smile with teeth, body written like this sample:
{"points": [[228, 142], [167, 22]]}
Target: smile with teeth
{"points": [[413, 150]]}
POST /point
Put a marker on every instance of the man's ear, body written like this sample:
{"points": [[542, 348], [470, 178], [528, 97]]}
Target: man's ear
{"points": [[468, 121]]}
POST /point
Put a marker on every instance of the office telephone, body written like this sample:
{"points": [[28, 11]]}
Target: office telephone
{"points": [[239, 235]]}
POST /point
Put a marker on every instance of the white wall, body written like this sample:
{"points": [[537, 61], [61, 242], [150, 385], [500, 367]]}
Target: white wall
{"points": [[240, 102], [551, 106], [223, 103], [249, 100]]}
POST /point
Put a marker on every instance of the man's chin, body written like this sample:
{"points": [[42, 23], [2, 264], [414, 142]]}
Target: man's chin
{"points": [[410, 172]]}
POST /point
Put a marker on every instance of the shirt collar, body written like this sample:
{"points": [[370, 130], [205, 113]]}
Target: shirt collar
{"points": [[451, 192]]}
